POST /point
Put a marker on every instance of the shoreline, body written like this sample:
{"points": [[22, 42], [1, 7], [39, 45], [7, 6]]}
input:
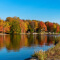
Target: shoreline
{"points": [[51, 54], [32, 33]]}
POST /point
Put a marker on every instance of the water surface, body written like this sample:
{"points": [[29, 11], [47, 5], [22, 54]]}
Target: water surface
{"points": [[20, 47]]}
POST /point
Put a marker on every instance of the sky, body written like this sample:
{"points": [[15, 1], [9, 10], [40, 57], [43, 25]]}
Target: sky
{"points": [[43, 10]]}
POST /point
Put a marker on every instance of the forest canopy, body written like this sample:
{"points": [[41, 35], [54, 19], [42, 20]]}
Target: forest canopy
{"points": [[17, 25]]}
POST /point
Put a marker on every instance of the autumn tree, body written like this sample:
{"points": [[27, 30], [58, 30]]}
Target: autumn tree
{"points": [[15, 27], [49, 26], [41, 25], [6, 27], [35, 25], [1, 25], [57, 28], [54, 27]]}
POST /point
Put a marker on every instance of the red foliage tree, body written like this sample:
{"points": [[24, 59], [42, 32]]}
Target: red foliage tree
{"points": [[42, 25], [49, 26]]}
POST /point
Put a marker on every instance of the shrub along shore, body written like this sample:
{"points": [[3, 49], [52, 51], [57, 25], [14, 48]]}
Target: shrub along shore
{"points": [[51, 54]]}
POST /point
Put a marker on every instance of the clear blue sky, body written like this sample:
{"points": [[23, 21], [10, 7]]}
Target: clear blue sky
{"points": [[43, 10]]}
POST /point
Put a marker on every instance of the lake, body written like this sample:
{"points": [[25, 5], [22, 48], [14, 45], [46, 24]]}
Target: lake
{"points": [[20, 47]]}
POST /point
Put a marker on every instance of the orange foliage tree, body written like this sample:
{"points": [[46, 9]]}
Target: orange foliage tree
{"points": [[42, 25]]}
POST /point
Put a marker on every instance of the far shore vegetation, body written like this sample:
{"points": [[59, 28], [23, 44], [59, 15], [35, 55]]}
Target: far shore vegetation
{"points": [[14, 25]]}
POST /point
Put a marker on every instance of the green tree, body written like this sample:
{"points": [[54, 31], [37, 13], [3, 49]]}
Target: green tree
{"points": [[15, 27]]}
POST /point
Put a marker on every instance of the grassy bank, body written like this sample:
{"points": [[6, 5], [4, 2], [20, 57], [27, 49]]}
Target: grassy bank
{"points": [[51, 54]]}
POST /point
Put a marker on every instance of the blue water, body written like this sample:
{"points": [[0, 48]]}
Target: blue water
{"points": [[25, 50]]}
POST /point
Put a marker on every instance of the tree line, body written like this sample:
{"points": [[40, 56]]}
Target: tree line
{"points": [[16, 25]]}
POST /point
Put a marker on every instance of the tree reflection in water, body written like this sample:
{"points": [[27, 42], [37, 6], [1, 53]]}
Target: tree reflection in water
{"points": [[16, 42]]}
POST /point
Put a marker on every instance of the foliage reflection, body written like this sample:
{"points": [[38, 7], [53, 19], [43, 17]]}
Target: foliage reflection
{"points": [[16, 42]]}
